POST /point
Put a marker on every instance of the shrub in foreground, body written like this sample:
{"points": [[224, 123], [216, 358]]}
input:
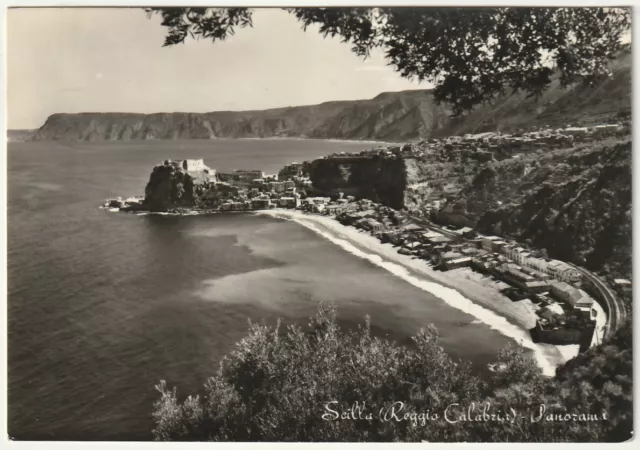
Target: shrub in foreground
{"points": [[327, 384]]}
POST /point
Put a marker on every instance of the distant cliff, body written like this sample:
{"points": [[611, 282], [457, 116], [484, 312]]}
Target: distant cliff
{"points": [[391, 116]]}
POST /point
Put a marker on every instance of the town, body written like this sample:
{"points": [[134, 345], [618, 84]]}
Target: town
{"points": [[484, 147], [565, 310]]}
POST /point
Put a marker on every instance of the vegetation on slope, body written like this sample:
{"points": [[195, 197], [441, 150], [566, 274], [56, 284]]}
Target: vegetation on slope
{"points": [[279, 385], [575, 203]]}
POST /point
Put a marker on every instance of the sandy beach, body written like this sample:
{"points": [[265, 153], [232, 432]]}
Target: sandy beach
{"points": [[463, 289]]}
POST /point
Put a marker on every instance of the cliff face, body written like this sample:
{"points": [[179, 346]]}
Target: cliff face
{"points": [[171, 186], [392, 116], [375, 178], [115, 126], [574, 203], [402, 182]]}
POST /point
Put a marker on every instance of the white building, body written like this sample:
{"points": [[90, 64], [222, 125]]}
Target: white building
{"points": [[563, 271]]}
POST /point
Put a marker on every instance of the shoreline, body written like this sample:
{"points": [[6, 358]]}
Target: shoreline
{"points": [[271, 138], [462, 289], [296, 138]]}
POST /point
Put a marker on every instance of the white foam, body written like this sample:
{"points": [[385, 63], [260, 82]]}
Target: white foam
{"points": [[449, 296]]}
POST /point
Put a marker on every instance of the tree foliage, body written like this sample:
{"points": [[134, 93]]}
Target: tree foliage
{"points": [[471, 55], [285, 384]]}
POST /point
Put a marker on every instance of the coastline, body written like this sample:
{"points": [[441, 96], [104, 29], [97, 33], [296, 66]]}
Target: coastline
{"points": [[461, 288], [297, 138]]}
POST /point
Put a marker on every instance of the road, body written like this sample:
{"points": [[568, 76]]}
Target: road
{"points": [[615, 309]]}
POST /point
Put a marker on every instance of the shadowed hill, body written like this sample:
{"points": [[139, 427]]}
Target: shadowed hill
{"points": [[390, 116]]}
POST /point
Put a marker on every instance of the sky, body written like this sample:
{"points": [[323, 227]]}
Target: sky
{"points": [[112, 60]]}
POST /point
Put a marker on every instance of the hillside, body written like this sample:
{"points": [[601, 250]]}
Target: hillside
{"points": [[391, 116], [556, 106], [575, 203]]}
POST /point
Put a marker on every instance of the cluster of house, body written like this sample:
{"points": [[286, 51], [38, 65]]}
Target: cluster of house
{"points": [[256, 191], [595, 132], [487, 146], [566, 313], [484, 146], [390, 152]]}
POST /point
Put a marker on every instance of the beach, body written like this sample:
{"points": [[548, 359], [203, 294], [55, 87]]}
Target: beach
{"points": [[461, 288]]}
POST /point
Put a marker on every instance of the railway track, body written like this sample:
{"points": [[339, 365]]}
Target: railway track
{"points": [[615, 309]]}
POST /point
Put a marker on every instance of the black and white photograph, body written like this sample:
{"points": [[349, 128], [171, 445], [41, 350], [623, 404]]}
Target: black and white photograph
{"points": [[338, 224]]}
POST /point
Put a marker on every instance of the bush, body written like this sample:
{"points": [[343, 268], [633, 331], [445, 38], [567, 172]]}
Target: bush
{"points": [[325, 384]]}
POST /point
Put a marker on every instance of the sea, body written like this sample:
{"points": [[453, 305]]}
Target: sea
{"points": [[103, 305]]}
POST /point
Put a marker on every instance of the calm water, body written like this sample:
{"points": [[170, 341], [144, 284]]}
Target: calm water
{"points": [[102, 305]]}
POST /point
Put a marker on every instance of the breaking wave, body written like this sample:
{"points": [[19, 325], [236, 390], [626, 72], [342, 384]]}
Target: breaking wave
{"points": [[449, 296]]}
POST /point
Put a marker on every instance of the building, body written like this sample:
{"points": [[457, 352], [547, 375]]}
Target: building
{"points": [[508, 250], [412, 227], [517, 254], [538, 264], [487, 242], [192, 165], [537, 286], [439, 240], [277, 186], [288, 202], [373, 225], [457, 263], [623, 284], [412, 245], [333, 209], [563, 271], [318, 200], [450, 256], [569, 294], [516, 277], [239, 206], [428, 235], [249, 175], [366, 213], [260, 203], [434, 237], [496, 246], [585, 306], [551, 311]]}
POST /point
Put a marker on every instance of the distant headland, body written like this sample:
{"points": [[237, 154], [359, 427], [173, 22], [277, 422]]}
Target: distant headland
{"points": [[389, 117]]}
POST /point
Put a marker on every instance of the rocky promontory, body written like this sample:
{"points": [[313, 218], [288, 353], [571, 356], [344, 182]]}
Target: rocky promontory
{"points": [[179, 186], [185, 184]]}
